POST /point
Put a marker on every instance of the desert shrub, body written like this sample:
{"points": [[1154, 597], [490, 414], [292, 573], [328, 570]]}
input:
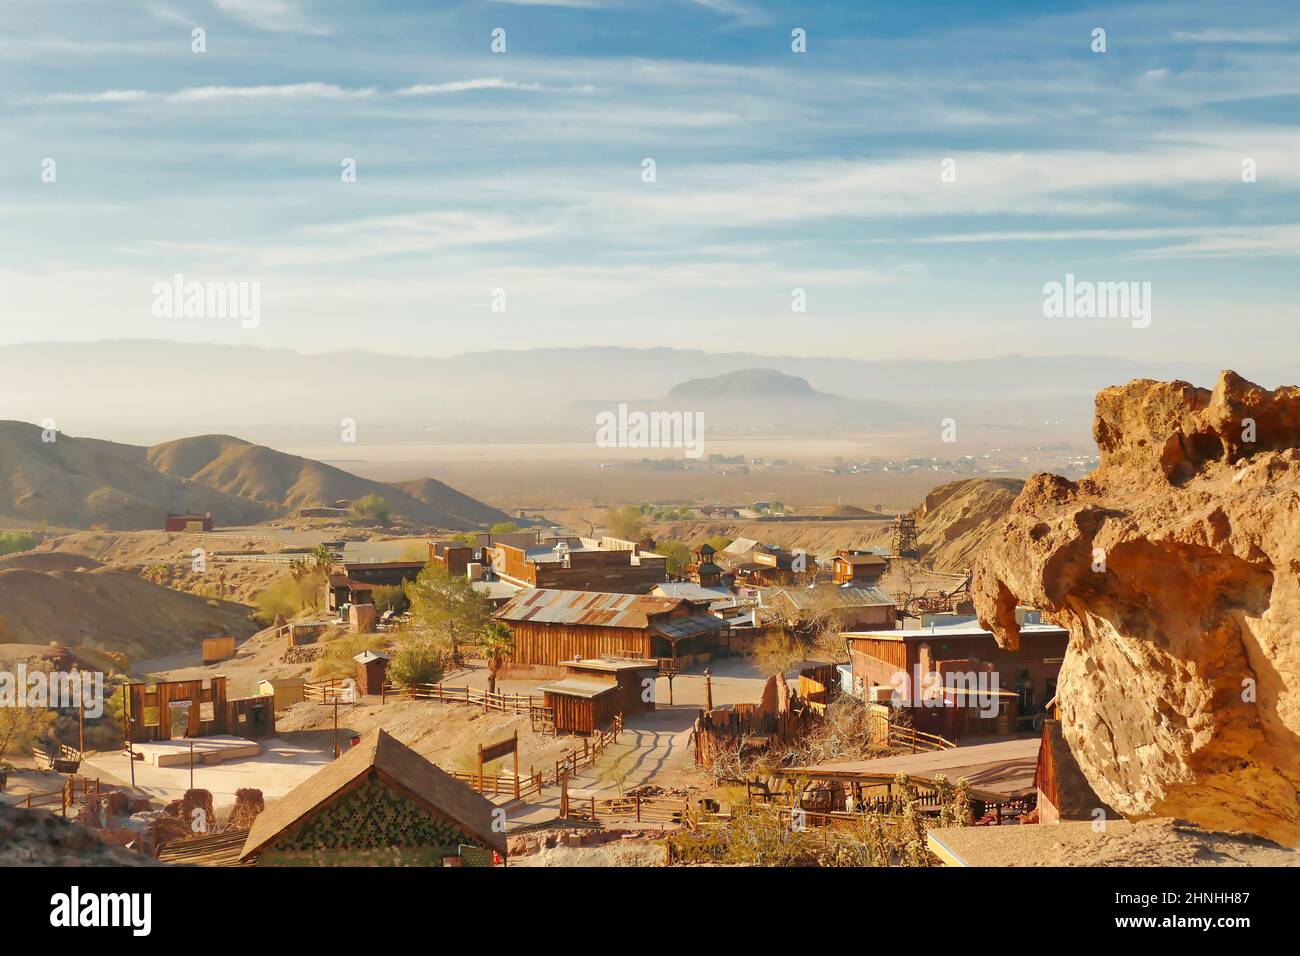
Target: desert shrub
{"points": [[418, 661], [11, 542], [337, 660], [390, 597], [286, 596], [373, 508], [777, 651]]}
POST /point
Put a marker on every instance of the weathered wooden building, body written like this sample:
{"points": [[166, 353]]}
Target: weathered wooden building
{"points": [[593, 692], [379, 804], [551, 627], [851, 566], [1024, 678], [851, 608], [187, 708], [608, 567]]}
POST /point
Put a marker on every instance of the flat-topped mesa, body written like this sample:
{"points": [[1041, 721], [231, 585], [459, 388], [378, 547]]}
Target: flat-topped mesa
{"points": [[1176, 568]]}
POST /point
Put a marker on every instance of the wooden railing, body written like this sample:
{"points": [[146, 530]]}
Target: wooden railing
{"points": [[504, 783], [915, 740], [340, 689], [674, 811], [67, 761], [538, 714], [64, 797]]}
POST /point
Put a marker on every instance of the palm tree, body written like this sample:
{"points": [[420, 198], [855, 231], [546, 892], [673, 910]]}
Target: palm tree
{"points": [[496, 642]]}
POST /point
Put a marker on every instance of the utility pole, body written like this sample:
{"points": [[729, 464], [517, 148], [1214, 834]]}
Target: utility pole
{"points": [[336, 727]]}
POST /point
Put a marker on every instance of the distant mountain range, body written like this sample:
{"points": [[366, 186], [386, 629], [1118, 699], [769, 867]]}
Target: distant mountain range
{"points": [[766, 398], [147, 391], [80, 482]]}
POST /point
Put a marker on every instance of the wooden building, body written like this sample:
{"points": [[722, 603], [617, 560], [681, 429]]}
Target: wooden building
{"points": [[610, 568], [772, 567], [372, 671], [187, 708], [188, 522], [1063, 791], [593, 692], [850, 566], [852, 608], [284, 691], [704, 571], [379, 804], [1025, 677], [551, 627]]}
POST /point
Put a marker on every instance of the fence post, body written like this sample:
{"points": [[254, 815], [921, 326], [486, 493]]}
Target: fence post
{"points": [[638, 808]]}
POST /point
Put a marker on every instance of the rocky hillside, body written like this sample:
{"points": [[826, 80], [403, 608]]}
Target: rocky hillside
{"points": [[1174, 567], [82, 482], [956, 519], [75, 601]]}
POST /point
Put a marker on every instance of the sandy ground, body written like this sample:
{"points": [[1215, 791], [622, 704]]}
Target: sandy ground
{"points": [[1146, 843]]}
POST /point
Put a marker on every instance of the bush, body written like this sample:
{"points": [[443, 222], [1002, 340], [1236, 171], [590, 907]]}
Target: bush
{"points": [[373, 508], [337, 660], [11, 542], [418, 661]]}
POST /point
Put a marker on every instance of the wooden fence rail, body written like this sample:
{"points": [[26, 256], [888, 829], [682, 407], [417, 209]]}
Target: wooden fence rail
{"points": [[910, 737], [529, 704], [64, 797]]}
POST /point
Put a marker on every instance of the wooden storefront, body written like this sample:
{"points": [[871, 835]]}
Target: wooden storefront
{"points": [[187, 708]]}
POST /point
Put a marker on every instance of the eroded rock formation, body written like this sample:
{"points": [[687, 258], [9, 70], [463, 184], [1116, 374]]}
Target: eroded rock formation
{"points": [[1176, 568]]}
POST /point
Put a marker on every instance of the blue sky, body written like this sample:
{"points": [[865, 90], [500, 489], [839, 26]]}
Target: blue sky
{"points": [[774, 170]]}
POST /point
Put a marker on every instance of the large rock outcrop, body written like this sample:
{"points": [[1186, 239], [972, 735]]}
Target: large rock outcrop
{"points": [[1176, 568]]}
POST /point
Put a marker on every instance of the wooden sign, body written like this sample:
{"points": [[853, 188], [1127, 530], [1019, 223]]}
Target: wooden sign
{"points": [[499, 750]]}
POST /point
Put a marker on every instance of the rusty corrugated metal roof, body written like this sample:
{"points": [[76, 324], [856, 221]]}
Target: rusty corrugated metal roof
{"points": [[593, 608]]}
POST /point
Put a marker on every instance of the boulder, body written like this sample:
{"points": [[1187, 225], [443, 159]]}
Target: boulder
{"points": [[1175, 567]]}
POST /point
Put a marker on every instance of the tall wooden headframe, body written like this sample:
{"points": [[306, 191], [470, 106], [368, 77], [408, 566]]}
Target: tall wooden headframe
{"points": [[903, 537]]}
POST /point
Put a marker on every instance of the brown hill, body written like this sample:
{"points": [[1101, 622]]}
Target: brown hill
{"points": [[99, 607], [80, 482], [956, 519]]}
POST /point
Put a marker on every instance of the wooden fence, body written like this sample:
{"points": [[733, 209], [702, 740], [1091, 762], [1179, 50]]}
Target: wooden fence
{"points": [[539, 716], [67, 760], [342, 690], [674, 811], [63, 798], [909, 738]]}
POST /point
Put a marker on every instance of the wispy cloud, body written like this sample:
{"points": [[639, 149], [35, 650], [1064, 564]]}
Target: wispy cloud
{"points": [[1231, 36], [279, 16]]}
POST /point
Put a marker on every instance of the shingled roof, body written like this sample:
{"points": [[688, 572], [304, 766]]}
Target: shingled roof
{"points": [[399, 767]]}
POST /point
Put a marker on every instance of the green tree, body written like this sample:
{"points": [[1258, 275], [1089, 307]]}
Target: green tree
{"points": [[390, 597], [373, 508], [418, 661], [446, 607], [625, 522], [12, 542], [679, 557], [496, 642], [504, 527], [718, 542], [22, 728]]}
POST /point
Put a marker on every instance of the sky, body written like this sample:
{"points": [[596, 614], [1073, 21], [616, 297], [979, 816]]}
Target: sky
{"points": [[920, 171]]}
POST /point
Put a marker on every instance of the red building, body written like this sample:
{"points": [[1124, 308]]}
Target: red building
{"points": [[189, 522]]}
